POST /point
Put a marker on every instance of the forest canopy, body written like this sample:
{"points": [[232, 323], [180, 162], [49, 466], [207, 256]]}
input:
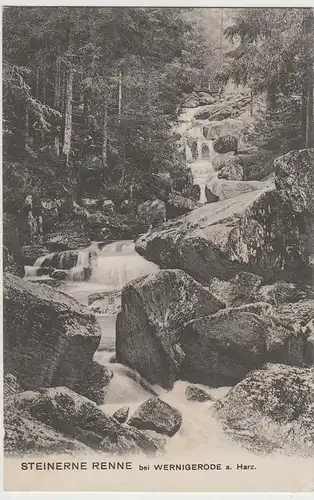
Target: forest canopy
{"points": [[90, 94]]}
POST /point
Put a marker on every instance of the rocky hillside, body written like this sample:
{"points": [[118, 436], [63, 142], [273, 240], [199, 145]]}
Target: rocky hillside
{"points": [[267, 230]]}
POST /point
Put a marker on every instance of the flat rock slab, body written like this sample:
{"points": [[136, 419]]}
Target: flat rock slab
{"points": [[262, 232]]}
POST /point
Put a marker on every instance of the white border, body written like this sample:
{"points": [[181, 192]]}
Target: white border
{"points": [[147, 495]]}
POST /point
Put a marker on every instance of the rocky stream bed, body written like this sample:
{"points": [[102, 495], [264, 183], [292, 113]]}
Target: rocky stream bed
{"points": [[197, 336]]}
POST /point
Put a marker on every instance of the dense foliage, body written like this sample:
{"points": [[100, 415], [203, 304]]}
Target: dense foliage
{"points": [[273, 55], [90, 97], [90, 94]]}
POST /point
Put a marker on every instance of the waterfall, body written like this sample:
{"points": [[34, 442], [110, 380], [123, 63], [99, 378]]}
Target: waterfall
{"points": [[199, 150], [110, 266], [114, 271]]}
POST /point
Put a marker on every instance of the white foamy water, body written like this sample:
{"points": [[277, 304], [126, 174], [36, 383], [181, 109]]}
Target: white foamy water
{"points": [[192, 132], [201, 438], [117, 270]]}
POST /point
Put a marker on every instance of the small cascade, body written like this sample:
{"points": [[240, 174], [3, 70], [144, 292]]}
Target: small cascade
{"points": [[199, 151], [97, 268], [31, 271], [115, 271], [59, 260]]}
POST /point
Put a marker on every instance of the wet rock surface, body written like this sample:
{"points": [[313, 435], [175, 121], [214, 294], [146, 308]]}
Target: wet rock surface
{"points": [[156, 415], [49, 339], [152, 212], [77, 417], [154, 311], [240, 290], [10, 385], [25, 436], [105, 302], [221, 189], [121, 415], [272, 409], [194, 393], [262, 231], [221, 349]]}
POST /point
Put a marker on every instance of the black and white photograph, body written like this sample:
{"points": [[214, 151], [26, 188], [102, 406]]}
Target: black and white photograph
{"points": [[158, 248]]}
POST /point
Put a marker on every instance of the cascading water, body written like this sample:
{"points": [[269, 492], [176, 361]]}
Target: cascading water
{"points": [[200, 437], [118, 263], [199, 150]]}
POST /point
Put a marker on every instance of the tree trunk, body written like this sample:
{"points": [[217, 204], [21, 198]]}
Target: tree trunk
{"points": [[309, 83], [221, 35], [26, 127], [85, 104], [105, 137], [309, 132], [62, 89], [43, 100], [56, 103], [307, 127], [37, 84], [120, 94], [43, 86], [271, 98], [304, 113], [68, 114], [251, 103]]}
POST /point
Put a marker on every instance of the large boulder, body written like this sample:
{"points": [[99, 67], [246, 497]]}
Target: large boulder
{"points": [[225, 144], [228, 127], [232, 170], [194, 393], [298, 314], [295, 179], [220, 349], [77, 417], [242, 289], [24, 435], [271, 409], [96, 382], [105, 302], [152, 212], [205, 98], [49, 338], [121, 414], [178, 205], [12, 251], [33, 252], [66, 240], [281, 292], [224, 189], [220, 161], [157, 415], [154, 311], [198, 242], [258, 231], [256, 164]]}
